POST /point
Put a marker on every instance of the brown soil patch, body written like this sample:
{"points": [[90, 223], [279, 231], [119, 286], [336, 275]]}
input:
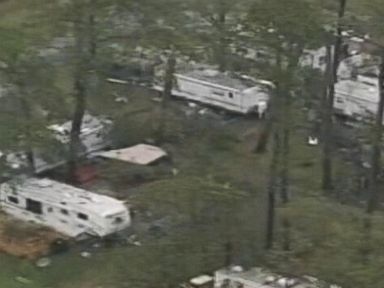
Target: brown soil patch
{"points": [[23, 239]]}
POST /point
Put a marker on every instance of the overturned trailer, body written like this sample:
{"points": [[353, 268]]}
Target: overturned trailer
{"points": [[236, 93], [67, 209]]}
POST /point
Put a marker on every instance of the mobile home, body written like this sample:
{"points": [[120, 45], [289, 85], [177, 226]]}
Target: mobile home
{"points": [[357, 98], [67, 209], [240, 94]]}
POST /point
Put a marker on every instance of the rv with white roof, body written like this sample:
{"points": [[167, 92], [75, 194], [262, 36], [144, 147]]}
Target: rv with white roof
{"points": [[67, 209], [240, 94], [357, 98]]}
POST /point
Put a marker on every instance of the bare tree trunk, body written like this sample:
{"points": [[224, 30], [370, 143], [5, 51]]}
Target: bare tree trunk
{"points": [[284, 171], [327, 181], [262, 142], [28, 134], [272, 185], [92, 35], [222, 45], [284, 177], [83, 33], [77, 120], [327, 111], [167, 94], [228, 253], [274, 167], [285, 111], [376, 149]]}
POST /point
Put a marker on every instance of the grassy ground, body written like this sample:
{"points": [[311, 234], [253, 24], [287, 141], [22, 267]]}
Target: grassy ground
{"points": [[217, 173]]}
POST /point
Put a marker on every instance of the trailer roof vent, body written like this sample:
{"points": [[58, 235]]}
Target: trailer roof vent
{"points": [[237, 269], [210, 72], [286, 282], [269, 279], [44, 183]]}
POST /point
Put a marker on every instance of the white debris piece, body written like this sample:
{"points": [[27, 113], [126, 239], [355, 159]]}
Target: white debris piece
{"points": [[43, 262], [85, 254], [313, 141]]}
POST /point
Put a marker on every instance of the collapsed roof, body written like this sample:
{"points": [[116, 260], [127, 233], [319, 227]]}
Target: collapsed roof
{"points": [[141, 154]]}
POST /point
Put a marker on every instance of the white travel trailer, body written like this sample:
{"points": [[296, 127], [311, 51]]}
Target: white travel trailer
{"points": [[67, 209], [237, 94], [357, 98]]}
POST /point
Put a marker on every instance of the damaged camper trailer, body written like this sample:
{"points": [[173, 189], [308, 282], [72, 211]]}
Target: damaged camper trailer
{"points": [[67, 209]]}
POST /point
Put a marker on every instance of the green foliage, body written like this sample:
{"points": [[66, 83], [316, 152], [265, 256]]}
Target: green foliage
{"points": [[280, 25], [222, 141], [122, 175], [130, 131], [329, 240], [13, 44]]}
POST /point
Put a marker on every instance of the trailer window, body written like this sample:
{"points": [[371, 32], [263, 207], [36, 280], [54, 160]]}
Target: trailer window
{"points": [[230, 95], [322, 60], [12, 199], [34, 206], [218, 93], [82, 216], [117, 220], [64, 211]]}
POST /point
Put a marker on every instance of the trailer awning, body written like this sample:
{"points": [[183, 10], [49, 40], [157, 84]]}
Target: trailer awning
{"points": [[141, 154]]}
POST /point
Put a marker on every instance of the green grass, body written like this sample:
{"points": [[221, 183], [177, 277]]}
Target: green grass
{"points": [[218, 173]]}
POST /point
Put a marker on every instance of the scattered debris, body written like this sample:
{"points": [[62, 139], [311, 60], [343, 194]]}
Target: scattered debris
{"points": [[201, 280], [260, 277], [313, 141], [96, 245], [85, 254], [23, 280], [175, 171], [43, 262], [121, 99], [227, 186], [117, 81], [367, 165], [132, 239], [203, 111]]}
